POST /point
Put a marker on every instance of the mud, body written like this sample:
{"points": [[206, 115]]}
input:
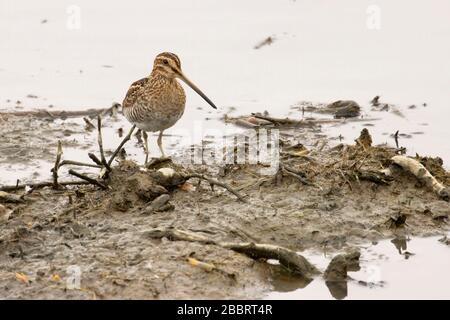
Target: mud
{"points": [[325, 196]]}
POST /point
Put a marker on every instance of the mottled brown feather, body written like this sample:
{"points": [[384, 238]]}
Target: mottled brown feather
{"points": [[134, 92]]}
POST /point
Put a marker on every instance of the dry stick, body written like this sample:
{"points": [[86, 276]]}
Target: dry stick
{"points": [[280, 121], [95, 159], [56, 167], [294, 174], [56, 114], [416, 168], [288, 121], [80, 164], [89, 124], [41, 185], [217, 183], [100, 143], [396, 138], [128, 137], [294, 262], [90, 180], [345, 179]]}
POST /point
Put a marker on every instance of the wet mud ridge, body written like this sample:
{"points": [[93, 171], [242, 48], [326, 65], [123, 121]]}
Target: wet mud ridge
{"points": [[171, 230]]}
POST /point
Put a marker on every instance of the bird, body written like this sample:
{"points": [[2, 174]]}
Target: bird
{"points": [[156, 102]]}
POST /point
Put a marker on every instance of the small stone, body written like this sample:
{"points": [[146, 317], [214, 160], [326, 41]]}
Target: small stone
{"points": [[159, 204]]}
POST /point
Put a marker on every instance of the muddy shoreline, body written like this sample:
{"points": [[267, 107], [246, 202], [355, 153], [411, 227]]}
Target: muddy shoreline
{"points": [[325, 196]]}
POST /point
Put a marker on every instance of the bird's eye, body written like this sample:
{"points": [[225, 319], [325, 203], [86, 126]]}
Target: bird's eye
{"points": [[165, 61]]}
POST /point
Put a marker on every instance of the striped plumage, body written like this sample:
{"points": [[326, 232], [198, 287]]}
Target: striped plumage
{"points": [[157, 102]]}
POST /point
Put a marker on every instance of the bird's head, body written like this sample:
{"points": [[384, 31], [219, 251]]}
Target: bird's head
{"points": [[168, 65]]}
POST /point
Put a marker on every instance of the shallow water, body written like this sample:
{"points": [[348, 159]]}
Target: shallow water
{"points": [[414, 268], [73, 57]]}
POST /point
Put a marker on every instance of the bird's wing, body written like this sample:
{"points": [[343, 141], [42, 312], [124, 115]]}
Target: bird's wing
{"points": [[133, 92]]}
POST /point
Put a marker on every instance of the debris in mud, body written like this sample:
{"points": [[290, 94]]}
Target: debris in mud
{"points": [[159, 204], [292, 261], [22, 277], [340, 109], [321, 194], [4, 214], [256, 120], [365, 139], [266, 42], [416, 168], [208, 267], [341, 263], [375, 101], [377, 106], [397, 220], [337, 269], [445, 240], [6, 197], [344, 109]]}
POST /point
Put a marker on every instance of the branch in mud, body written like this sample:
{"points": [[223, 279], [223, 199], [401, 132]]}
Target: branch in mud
{"points": [[214, 182], [100, 144], [88, 179], [125, 140], [12, 198], [89, 125], [40, 185], [252, 121], [417, 169], [283, 122], [292, 261], [77, 163], [62, 114], [56, 167], [94, 158], [374, 176], [291, 172]]}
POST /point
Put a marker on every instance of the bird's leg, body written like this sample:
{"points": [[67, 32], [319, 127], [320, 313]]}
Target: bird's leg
{"points": [[160, 143], [144, 134]]}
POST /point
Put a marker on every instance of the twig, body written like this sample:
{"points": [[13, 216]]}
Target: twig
{"points": [[89, 125], [90, 180], [214, 182], [100, 143], [373, 176], [285, 121], [56, 114], [309, 122], [39, 185], [396, 138], [94, 158], [128, 136], [345, 179], [56, 167], [80, 164], [291, 172]]}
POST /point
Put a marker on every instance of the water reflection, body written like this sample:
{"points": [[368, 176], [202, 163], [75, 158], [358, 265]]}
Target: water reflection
{"points": [[338, 289], [385, 272]]}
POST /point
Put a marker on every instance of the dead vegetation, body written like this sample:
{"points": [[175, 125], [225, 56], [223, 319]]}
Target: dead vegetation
{"points": [[152, 231]]}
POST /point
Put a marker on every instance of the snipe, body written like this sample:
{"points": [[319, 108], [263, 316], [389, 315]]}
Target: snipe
{"points": [[157, 102]]}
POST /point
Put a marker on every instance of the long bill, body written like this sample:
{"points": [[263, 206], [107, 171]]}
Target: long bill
{"points": [[196, 89]]}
